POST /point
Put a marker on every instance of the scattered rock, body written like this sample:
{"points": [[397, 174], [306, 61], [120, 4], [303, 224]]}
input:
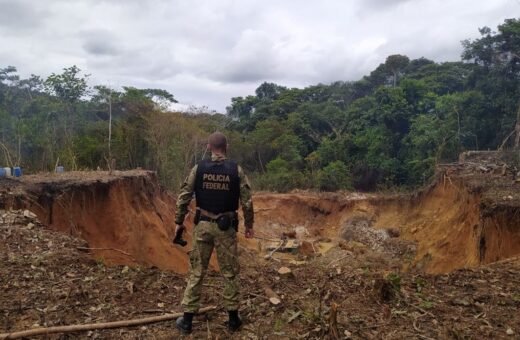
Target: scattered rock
{"points": [[359, 229], [482, 168], [510, 331], [285, 272], [298, 263], [275, 301], [130, 287], [460, 302], [306, 248], [28, 214], [273, 297]]}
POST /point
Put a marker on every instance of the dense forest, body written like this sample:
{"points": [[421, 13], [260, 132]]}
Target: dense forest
{"points": [[386, 130]]}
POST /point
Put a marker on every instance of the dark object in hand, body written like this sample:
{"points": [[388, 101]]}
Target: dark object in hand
{"points": [[178, 238]]}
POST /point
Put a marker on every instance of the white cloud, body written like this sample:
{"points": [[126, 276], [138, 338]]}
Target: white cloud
{"points": [[205, 51]]}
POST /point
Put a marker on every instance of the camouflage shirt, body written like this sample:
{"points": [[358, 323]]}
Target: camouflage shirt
{"points": [[186, 194]]}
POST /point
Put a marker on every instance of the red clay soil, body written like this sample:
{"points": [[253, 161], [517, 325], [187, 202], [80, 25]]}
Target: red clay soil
{"points": [[117, 214], [465, 219], [468, 217]]}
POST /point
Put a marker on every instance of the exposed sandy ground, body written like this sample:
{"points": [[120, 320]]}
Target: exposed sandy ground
{"points": [[439, 263]]}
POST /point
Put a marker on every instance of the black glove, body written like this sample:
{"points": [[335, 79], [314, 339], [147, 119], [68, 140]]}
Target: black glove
{"points": [[179, 229]]}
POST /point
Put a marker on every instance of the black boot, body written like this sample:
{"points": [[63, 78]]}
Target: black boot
{"points": [[234, 321], [183, 323]]}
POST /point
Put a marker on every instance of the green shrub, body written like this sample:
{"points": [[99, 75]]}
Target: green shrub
{"points": [[334, 176]]}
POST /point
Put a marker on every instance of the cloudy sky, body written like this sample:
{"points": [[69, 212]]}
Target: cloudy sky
{"points": [[207, 51]]}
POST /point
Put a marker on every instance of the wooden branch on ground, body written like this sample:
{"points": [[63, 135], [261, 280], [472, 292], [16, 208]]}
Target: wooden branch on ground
{"points": [[333, 322], [92, 326], [270, 255], [349, 253], [113, 249]]}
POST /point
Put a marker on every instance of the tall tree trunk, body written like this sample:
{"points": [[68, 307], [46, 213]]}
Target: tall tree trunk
{"points": [[517, 129], [110, 126]]}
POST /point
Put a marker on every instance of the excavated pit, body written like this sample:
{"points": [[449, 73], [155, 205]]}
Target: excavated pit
{"points": [[125, 217], [446, 223], [468, 217]]}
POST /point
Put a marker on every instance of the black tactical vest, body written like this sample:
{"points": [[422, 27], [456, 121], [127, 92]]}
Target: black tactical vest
{"points": [[217, 186]]}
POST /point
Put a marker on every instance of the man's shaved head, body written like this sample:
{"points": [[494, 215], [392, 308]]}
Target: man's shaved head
{"points": [[217, 141]]}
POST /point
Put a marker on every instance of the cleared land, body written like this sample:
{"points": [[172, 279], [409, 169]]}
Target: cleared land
{"points": [[440, 263]]}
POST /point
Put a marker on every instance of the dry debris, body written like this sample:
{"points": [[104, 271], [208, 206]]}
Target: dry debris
{"points": [[46, 281], [346, 283]]}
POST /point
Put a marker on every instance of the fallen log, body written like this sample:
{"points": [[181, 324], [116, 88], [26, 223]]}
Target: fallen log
{"points": [[92, 326]]}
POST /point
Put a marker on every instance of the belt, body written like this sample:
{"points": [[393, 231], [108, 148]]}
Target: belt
{"points": [[211, 217], [208, 219]]}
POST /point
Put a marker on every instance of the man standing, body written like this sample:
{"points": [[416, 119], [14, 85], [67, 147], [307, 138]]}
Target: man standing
{"points": [[219, 184]]}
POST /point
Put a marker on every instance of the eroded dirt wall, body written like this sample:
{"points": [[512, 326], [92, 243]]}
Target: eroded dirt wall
{"points": [[445, 221], [499, 234], [129, 219], [126, 219]]}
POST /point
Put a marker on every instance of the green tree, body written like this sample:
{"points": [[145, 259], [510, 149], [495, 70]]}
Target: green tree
{"points": [[496, 56], [68, 88], [334, 176], [395, 64], [269, 91]]}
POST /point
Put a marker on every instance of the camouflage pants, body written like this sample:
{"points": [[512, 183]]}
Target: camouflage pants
{"points": [[206, 236]]}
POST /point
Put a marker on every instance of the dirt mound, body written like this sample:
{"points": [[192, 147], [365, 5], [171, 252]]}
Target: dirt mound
{"points": [[360, 229], [125, 217]]}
